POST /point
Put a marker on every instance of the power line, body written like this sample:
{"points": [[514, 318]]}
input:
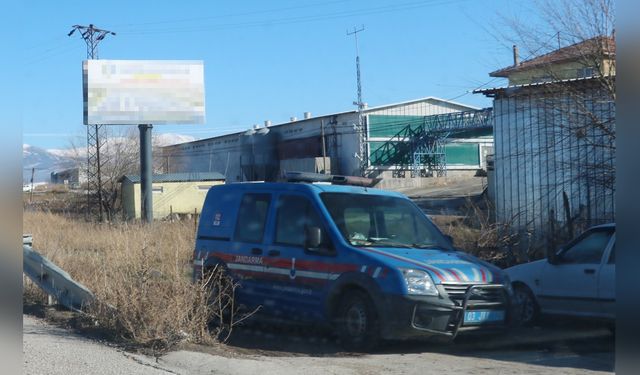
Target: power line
{"points": [[298, 19], [230, 15]]}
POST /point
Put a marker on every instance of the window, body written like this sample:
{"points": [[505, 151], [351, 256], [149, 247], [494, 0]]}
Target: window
{"points": [[295, 215], [386, 221], [542, 79], [585, 72], [588, 249], [157, 189], [252, 218]]}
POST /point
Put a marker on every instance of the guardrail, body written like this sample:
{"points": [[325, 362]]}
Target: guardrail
{"points": [[52, 279]]}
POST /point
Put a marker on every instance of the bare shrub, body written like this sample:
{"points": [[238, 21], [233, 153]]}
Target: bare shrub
{"points": [[141, 277], [221, 289], [476, 233]]}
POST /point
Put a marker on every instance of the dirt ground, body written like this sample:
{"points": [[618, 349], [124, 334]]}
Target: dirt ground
{"points": [[556, 347]]}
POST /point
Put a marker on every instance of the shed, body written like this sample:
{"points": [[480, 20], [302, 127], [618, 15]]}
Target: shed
{"points": [[178, 193]]}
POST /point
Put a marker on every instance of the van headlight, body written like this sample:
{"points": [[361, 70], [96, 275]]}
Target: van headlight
{"points": [[419, 283]]}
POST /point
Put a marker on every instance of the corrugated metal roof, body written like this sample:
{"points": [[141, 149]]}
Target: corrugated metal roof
{"points": [[353, 111], [534, 84], [178, 177]]}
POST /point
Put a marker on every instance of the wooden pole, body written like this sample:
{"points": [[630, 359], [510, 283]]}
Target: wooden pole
{"points": [[195, 220], [33, 171]]}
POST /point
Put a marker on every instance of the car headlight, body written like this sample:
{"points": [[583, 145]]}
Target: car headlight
{"points": [[419, 283]]}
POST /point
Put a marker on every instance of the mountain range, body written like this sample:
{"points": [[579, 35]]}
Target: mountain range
{"points": [[44, 161]]}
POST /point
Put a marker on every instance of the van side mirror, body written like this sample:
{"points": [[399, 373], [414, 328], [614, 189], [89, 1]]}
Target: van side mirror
{"points": [[449, 238], [314, 237]]}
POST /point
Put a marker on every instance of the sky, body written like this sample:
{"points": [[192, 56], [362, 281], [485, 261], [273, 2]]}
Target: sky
{"points": [[264, 60]]}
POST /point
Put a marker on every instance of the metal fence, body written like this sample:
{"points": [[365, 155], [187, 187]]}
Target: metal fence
{"points": [[554, 158]]}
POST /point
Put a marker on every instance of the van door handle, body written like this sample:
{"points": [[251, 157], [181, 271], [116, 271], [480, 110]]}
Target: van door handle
{"points": [[256, 251], [589, 271], [273, 253]]}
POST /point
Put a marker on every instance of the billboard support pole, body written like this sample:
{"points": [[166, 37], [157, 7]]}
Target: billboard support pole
{"points": [[146, 173]]}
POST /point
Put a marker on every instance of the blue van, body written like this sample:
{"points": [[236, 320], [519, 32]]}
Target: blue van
{"points": [[368, 262]]}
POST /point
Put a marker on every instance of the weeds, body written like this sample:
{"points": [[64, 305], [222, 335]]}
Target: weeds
{"points": [[141, 277], [476, 233]]}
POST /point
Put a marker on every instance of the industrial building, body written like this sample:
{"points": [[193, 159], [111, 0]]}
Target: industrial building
{"points": [[417, 138], [174, 193], [72, 177], [554, 131]]}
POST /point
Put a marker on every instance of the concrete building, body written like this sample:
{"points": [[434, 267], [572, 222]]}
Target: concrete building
{"points": [[262, 153], [554, 162], [73, 177], [175, 193]]}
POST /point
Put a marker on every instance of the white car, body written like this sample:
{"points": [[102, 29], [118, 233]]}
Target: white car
{"points": [[577, 280]]}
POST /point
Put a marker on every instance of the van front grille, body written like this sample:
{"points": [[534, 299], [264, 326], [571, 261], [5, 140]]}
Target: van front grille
{"points": [[457, 291]]}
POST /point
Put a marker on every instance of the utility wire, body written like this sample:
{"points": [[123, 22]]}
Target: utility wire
{"points": [[229, 15], [300, 19]]}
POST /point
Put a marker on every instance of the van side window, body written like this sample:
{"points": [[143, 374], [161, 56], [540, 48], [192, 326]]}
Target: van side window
{"points": [[252, 218], [295, 215]]}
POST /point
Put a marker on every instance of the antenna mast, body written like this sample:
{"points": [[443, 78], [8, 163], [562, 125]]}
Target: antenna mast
{"points": [[361, 128]]}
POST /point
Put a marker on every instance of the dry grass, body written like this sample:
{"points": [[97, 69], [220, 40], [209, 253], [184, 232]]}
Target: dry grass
{"points": [[140, 275], [475, 233]]}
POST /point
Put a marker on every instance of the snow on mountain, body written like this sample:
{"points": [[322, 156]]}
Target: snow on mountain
{"points": [[80, 152], [168, 139], [45, 161], [42, 162]]}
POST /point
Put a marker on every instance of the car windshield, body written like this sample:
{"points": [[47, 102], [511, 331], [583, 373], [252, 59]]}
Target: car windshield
{"points": [[378, 220]]}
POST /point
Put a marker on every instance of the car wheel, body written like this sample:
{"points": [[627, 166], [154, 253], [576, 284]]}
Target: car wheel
{"points": [[357, 322], [528, 311]]}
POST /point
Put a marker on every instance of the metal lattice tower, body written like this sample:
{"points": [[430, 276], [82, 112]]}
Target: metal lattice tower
{"points": [[362, 133], [92, 37]]}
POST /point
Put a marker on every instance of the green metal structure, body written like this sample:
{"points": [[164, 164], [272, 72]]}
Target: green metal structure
{"points": [[419, 145]]}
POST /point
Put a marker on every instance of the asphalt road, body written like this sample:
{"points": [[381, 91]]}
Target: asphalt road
{"points": [[558, 348]]}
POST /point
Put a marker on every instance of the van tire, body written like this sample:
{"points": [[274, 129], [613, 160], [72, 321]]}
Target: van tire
{"points": [[357, 322], [528, 311]]}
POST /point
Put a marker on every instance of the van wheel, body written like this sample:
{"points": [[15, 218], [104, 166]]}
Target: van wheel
{"points": [[357, 322], [528, 310]]}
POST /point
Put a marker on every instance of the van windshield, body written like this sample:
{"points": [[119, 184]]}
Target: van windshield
{"points": [[378, 220]]}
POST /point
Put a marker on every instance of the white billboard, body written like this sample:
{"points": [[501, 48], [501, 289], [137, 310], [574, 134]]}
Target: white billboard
{"points": [[130, 92]]}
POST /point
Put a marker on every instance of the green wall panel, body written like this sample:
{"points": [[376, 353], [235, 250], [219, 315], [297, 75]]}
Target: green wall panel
{"points": [[456, 153], [462, 153], [388, 126]]}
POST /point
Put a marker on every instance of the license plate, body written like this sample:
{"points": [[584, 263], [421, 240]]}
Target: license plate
{"points": [[483, 316]]}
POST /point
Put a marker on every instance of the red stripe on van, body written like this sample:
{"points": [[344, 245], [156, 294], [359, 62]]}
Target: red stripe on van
{"points": [[303, 265], [454, 273]]}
